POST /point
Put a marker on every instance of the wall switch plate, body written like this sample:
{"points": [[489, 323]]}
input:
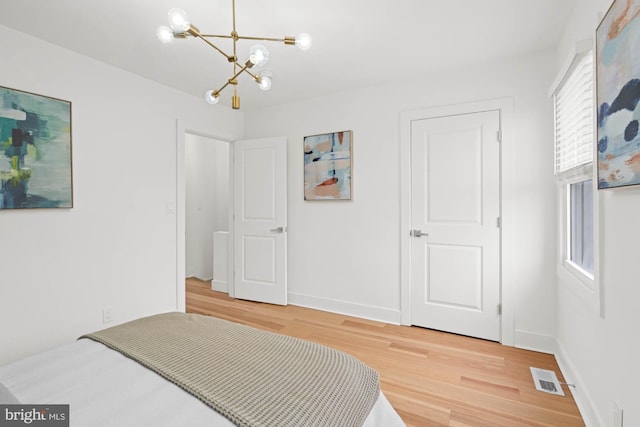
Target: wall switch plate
{"points": [[107, 315], [617, 415]]}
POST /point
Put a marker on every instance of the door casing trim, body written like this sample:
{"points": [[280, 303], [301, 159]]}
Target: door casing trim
{"points": [[208, 131], [507, 166]]}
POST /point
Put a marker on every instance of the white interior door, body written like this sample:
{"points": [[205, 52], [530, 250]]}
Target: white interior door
{"points": [[455, 249], [260, 220]]}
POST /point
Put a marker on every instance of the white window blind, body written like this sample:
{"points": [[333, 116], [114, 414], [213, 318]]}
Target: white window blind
{"points": [[573, 102]]}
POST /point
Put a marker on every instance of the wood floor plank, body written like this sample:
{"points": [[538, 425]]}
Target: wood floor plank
{"points": [[431, 378]]}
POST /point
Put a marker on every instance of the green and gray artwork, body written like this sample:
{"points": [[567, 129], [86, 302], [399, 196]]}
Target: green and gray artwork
{"points": [[35, 151]]}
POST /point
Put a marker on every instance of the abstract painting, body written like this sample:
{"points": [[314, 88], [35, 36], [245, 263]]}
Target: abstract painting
{"points": [[618, 95], [327, 166], [35, 151]]}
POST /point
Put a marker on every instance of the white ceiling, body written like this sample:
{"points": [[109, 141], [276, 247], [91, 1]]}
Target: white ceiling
{"points": [[356, 43]]}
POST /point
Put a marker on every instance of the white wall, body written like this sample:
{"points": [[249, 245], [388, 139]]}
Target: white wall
{"points": [[344, 256], [600, 353], [207, 194], [117, 246]]}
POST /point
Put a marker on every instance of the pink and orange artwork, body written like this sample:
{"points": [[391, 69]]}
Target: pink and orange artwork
{"points": [[618, 95], [327, 166]]}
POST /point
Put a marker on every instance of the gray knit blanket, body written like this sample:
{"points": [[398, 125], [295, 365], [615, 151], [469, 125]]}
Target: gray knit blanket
{"points": [[253, 377]]}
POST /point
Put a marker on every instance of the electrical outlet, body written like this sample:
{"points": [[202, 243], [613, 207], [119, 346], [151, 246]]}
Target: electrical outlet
{"points": [[617, 415], [107, 315]]}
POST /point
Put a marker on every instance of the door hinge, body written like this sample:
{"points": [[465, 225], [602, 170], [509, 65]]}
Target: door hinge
{"points": [[499, 309], [499, 136], [499, 222]]}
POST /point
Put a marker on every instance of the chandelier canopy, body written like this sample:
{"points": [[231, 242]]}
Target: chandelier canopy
{"points": [[180, 28]]}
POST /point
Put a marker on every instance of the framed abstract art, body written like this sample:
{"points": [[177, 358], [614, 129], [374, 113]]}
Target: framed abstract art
{"points": [[35, 151], [327, 166], [618, 95]]}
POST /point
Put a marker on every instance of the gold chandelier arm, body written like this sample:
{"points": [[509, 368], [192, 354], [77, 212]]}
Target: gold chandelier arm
{"points": [[216, 93], [234, 36], [286, 40], [233, 80], [217, 36], [233, 9], [195, 33], [246, 70]]}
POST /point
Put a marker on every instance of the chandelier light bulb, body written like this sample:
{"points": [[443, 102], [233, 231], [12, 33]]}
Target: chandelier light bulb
{"points": [[259, 55], [178, 20], [165, 34], [265, 83], [265, 80], [210, 97], [303, 41]]}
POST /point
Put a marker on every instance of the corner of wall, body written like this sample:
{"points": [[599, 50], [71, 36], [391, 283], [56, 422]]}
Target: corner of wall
{"points": [[535, 342], [579, 391]]}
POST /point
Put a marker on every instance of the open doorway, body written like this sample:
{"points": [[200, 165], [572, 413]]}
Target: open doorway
{"points": [[206, 209], [185, 130]]}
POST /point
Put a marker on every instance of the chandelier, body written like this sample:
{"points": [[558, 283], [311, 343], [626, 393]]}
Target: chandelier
{"points": [[180, 27]]}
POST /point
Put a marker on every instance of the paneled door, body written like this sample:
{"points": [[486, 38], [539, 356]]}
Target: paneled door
{"points": [[455, 216], [260, 220]]}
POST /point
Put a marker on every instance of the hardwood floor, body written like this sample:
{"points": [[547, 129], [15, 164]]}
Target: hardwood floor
{"points": [[431, 378]]}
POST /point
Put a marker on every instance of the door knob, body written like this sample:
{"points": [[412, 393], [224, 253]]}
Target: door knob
{"points": [[277, 230], [418, 233]]}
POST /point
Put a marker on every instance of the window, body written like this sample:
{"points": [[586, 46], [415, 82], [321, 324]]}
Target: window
{"points": [[573, 103], [581, 225]]}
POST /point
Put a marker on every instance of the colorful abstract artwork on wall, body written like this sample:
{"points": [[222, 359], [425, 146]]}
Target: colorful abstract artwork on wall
{"points": [[618, 95], [327, 166], [35, 151]]}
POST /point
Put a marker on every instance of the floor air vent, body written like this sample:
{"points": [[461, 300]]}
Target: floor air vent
{"points": [[546, 381]]}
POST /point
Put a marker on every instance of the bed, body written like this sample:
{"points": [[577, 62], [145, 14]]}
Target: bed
{"points": [[173, 369]]}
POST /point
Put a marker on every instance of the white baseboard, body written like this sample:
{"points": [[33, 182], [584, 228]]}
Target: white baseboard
{"points": [[535, 342], [347, 308], [580, 392], [220, 286], [548, 344]]}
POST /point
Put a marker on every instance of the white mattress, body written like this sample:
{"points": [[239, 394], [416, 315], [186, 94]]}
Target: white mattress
{"points": [[105, 388]]}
